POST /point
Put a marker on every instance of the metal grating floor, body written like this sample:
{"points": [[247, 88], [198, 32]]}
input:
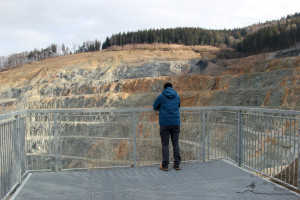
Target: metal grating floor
{"points": [[207, 181]]}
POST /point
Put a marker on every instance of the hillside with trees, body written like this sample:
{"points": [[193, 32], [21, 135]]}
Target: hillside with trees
{"points": [[257, 38], [276, 36], [54, 50], [186, 36]]}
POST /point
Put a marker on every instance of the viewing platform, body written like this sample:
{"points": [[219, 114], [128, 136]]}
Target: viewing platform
{"points": [[209, 181], [227, 153]]}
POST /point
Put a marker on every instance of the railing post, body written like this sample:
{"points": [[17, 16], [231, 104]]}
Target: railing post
{"points": [[298, 171], [1, 149], [200, 138], [203, 135], [18, 142], [240, 138], [236, 137], [56, 141], [134, 139]]}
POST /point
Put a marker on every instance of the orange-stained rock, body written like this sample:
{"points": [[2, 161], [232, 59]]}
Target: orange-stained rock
{"points": [[134, 78]]}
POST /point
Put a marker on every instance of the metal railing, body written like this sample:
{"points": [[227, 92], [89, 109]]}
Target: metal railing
{"points": [[270, 145], [266, 141], [12, 154]]}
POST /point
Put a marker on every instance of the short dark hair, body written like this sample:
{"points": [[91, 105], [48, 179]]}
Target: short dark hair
{"points": [[167, 85]]}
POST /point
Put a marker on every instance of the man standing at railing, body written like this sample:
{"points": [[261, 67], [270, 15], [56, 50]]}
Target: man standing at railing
{"points": [[168, 103]]}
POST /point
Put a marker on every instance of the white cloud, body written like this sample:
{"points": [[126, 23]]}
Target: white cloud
{"points": [[15, 41], [90, 22], [25, 25]]}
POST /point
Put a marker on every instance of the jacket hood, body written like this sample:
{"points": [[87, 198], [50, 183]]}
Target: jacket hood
{"points": [[169, 93]]}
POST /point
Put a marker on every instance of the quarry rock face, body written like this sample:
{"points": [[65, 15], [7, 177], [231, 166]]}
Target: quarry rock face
{"points": [[134, 78], [294, 51]]}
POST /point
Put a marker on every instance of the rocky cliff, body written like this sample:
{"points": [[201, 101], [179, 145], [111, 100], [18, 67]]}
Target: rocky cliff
{"points": [[134, 77]]}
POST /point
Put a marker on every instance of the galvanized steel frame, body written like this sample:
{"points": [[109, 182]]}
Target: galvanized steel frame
{"points": [[244, 156]]}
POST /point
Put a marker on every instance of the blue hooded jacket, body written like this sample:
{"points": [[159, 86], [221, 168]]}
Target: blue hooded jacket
{"points": [[168, 103]]}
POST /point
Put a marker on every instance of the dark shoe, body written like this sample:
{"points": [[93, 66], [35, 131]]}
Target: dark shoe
{"points": [[176, 168], [164, 169]]}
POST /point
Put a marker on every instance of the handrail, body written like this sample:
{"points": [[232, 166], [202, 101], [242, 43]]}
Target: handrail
{"points": [[12, 114], [82, 110]]}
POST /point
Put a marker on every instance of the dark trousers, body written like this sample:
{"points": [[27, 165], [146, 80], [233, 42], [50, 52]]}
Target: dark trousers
{"points": [[165, 133]]}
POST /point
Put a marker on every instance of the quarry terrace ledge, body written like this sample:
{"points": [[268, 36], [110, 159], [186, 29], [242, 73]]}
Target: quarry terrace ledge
{"points": [[263, 141]]}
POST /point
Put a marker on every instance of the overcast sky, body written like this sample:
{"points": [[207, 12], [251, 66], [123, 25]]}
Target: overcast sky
{"points": [[29, 24]]}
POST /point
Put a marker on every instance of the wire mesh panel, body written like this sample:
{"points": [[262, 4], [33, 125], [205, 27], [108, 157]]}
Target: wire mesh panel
{"points": [[148, 138], [221, 134], [40, 153], [12, 145], [94, 140], [191, 136], [270, 145], [7, 153]]}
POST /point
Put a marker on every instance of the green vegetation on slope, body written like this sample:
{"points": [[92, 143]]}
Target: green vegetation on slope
{"points": [[258, 38]]}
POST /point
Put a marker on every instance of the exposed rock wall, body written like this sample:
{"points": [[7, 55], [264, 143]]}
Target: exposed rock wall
{"points": [[117, 81], [134, 78]]}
